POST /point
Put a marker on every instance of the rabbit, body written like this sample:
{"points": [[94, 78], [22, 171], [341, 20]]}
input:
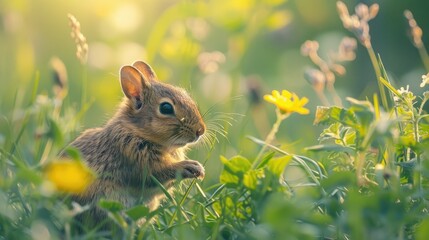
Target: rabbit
{"points": [[147, 137]]}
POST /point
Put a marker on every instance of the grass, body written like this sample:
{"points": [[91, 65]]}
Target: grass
{"points": [[366, 178]]}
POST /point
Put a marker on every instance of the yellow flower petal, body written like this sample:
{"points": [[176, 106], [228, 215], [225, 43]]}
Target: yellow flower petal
{"points": [[303, 101], [275, 93], [286, 94], [287, 102], [270, 99], [303, 111], [69, 176]]}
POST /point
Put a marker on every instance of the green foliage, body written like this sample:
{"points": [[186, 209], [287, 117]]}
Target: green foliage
{"points": [[367, 177]]}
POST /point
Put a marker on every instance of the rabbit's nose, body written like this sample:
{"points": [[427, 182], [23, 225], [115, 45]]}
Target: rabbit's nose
{"points": [[200, 132]]}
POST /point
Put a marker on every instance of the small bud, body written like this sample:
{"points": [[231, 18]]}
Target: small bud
{"points": [[373, 10], [346, 49], [338, 69], [362, 11], [415, 31], [425, 80], [342, 9], [59, 73], [309, 47]]}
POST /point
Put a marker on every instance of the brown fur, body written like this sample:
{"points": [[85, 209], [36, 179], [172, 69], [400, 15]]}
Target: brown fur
{"points": [[139, 142]]}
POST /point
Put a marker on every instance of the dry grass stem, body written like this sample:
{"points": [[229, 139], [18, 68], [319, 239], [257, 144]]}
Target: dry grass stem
{"points": [[324, 77], [358, 22], [416, 35], [358, 25], [79, 38], [416, 31]]}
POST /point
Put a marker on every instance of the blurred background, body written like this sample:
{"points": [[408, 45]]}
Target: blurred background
{"points": [[226, 53]]}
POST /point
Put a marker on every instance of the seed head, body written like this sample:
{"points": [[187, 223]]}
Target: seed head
{"points": [[346, 49], [415, 31], [59, 72], [309, 47], [79, 38], [358, 22]]}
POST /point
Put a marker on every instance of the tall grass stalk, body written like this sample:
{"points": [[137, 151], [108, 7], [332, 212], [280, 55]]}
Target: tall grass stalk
{"points": [[179, 205], [377, 71]]}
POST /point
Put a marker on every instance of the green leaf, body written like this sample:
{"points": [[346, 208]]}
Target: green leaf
{"points": [[7, 211], [137, 212], [330, 148], [278, 165], [163, 189], [358, 105], [363, 110], [390, 87], [267, 157], [234, 169], [111, 206], [55, 132], [337, 180], [73, 153], [348, 135], [329, 115], [119, 219], [229, 178], [250, 179], [236, 164], [332, 132], [382, 68], [422, 232], [29, 175]]}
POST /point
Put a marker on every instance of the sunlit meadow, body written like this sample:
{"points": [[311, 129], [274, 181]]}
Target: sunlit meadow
{"points": [[316, 114]]}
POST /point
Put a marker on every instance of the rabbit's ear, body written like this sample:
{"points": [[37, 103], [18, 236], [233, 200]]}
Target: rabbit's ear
{"points": [[146, 70], [133, 84]]}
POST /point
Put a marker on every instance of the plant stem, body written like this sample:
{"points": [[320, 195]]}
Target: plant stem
{"points": [[333, 92], [374, 62], [323, 99], [418, 180], [424, 56], [270, 136], [418, 177], [84, 86], [330, 79], [421, 108], [359, 164], [46, 152]]}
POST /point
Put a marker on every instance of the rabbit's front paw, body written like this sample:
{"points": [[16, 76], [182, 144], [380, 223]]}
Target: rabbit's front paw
{"points": [[191, 169]]}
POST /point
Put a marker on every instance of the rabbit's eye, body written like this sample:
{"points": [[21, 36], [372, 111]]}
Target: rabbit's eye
{"points": [[166, 108]]}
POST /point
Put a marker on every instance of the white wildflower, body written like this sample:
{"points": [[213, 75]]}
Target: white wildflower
{"points": [[425, 80], [401, 91]]}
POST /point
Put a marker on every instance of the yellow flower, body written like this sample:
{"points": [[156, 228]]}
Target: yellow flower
{"points": [[69, 176], [287, 102]]}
